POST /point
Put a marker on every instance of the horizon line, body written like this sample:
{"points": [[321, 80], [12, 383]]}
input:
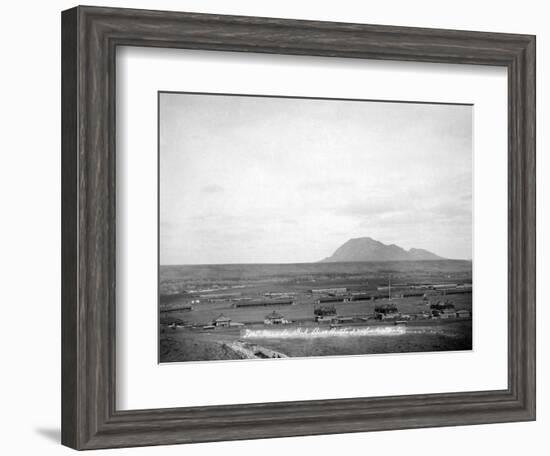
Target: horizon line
{"points": [[310, 262]]}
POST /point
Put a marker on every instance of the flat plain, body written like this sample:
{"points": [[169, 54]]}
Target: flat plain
{"points": [[252, 311]]}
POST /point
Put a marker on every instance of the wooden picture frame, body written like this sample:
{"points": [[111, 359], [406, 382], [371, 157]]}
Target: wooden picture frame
{"points": [[90, 36]]}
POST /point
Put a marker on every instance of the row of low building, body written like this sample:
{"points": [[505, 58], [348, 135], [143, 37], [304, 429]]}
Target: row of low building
{"points": [[330, 291], [439, 286], [390, 311], [273, 318], [280, 294], [336, 295], [339, 295], [265, 302], [441, 310], [177, 308], [447, 310], [326, 312], [364, 297], [289, 300]]}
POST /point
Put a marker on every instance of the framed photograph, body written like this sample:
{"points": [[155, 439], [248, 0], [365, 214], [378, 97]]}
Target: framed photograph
{"points": [[282, 227]]}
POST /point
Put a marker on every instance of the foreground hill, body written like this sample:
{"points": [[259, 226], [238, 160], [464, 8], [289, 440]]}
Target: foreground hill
{"points": [[368, 249]]}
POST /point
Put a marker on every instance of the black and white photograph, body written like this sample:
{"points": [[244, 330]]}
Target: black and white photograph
{"points": [[300, 227], [267, 228]]}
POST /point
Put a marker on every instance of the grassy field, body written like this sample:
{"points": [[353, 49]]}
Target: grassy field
{"points": [[184, 344]]}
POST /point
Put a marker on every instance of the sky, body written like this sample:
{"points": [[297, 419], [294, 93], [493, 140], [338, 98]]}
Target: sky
{"points": [[281, 180]]}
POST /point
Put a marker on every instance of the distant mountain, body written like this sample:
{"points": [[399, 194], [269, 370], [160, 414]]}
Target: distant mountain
{"points": [[368, 249]]}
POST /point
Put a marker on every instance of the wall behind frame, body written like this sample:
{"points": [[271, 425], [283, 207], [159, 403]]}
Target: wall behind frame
{"points": [[30, 232]]}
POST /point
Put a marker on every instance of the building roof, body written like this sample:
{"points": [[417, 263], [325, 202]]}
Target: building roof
{"points": [[274, 316], [266, 302], [442, 306], [329, 288], [362, 296], [385, 307], [331, 299], [325, 310], [222, 317]]}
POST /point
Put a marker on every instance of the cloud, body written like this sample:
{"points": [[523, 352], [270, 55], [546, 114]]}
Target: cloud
{"points": [[370, 207], [327, 185]]}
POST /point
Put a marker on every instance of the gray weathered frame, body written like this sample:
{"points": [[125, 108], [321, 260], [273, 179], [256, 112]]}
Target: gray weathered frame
{"points": [[90, 36]]}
